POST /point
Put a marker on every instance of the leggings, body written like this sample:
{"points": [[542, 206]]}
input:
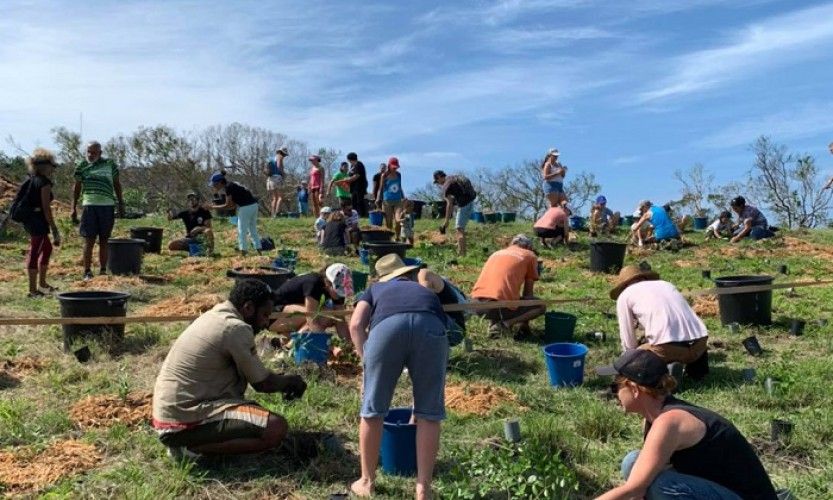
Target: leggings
{"points": [[40, 249], [247, 226]]}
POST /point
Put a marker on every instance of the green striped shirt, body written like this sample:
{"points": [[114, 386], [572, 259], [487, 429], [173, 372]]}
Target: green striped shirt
{"points": [[97, 181]]}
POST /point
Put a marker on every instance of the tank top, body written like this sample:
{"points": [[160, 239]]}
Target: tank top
{"points": [[316, 178], [549, 170], [723, 456], [392, 188]]}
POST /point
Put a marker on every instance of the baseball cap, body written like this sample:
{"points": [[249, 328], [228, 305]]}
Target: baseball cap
{"points": [[601, 200], [738, 201], [326, 210], [342, 279], [637, 365], [393, 162], [193, 194], [314, 158], [215, 178]]}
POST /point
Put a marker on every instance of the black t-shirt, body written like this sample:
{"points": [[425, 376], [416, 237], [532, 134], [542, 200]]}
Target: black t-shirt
{"points": [[460, 189], [297, 289], [360, 184], [334, 234], [376, 178], [38, 182], [193, 219], [37, 224], [239, 194]]}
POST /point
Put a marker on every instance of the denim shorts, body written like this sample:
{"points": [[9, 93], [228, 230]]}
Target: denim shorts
{"points": [[553, 187], [463, 216], [97, 221], [416, 341]]}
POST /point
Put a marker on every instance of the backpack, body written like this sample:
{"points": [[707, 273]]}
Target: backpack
{"points": [[21, 210], [469, 194]]}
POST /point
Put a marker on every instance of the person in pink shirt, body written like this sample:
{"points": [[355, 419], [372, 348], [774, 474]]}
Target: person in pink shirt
{"points": [[672, 329], [316, 182], [553, 225]]}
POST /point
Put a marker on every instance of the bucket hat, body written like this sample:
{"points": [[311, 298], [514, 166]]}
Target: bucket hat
{"points": [[391, 266], [627, 276]]}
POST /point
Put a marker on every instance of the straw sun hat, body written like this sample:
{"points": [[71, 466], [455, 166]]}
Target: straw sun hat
{"points": [[628, 275], [391, 266]]}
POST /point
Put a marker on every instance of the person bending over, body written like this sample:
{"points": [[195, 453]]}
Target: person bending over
{"points": [[310, 296]]}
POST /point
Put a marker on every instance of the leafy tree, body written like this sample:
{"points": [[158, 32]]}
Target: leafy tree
{"points": [[581, 191]]}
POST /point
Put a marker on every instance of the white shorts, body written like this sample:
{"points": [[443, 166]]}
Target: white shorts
{"points": [[274, 182]]}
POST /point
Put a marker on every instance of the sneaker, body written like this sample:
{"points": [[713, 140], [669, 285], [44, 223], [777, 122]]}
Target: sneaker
{"points": [[182, 453], [88, 275]]}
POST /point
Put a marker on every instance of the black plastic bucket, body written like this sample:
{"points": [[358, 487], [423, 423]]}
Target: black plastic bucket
{"points": [[438, 209], [383, 248], [92, 303], [754, 308], [124, 255], [607, 257], [376, 235], [418, 206], [274, 277], [151, 235]]}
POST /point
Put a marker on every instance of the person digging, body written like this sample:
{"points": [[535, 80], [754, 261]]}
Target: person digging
{"points": [[197, 222]]}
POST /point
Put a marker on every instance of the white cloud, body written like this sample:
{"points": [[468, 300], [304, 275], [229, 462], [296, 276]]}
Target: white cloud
{"points": [[522, 40], [767, 45]]}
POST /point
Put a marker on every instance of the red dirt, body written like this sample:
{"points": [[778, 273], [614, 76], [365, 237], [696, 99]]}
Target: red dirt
{"points": [[477, 399], [105, 411], [25, 471]]}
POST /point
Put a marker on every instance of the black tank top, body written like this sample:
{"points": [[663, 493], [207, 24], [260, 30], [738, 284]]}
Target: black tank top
{"points": [[723, 456]]}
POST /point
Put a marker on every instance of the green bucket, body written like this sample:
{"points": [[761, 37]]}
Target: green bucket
{"points": [[359, 281], [559, 327]]}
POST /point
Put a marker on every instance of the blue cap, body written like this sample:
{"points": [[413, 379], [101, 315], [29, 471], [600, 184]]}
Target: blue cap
{"points": [[215, 178], [601, 200]]}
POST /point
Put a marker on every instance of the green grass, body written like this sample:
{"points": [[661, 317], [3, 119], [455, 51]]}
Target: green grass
{"points": [[588, 432]]}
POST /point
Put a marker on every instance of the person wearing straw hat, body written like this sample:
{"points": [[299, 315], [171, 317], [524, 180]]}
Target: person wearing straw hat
{"points": [[688, 452], [672, 329], [397, 324], [509, 274]]}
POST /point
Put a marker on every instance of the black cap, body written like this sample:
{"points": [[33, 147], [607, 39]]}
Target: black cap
{"points": [[738, 201], [438, 173], [352, 156], [638, 365]]}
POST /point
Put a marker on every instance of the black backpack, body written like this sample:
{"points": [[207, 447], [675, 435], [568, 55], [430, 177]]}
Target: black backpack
{"points": [[21, 210]]}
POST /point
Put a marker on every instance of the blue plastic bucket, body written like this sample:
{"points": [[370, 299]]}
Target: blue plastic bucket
{"points": [[398, 452], [565, 363], [376, 218], [364, 256], [576, 223], [701, 223], [312, 347], [412, 261], [195, 250], [478, 217]]}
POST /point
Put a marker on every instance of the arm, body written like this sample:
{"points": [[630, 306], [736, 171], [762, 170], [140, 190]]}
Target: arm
{"points": [[626, 325], [46, 207], [312, 307], [119, 197], [229, 204], [747, 227], [449, 210], [358, 326], [529, 288], [76, 193]]}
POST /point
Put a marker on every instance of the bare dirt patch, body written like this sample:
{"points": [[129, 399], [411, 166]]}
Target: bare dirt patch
{"points": [[26, 471], [477, 399], [106, 411], [22, 366], [183, 306], [706, 306]]}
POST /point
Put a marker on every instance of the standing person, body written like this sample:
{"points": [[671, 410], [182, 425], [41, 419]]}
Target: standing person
{"points": [[316, 182], [303, 198], [509, 274], [377, 183], [97, 184], [457, 190], [198, 399], [274, 180], [751, 222], [553, 173], [341, 183], [663, 227], [247, 208], [197, 222], [830, 182], [38, 198], [358, 184], [688, 452], [390, 193], [553, 225], [310, 296], [397, 324]]}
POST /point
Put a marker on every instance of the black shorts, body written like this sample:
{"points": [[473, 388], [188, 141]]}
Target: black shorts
{"points": [[504, 313], [549, 233], [97, 221]]}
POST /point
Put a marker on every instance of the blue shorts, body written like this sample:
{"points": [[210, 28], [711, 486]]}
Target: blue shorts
{"points": [[97, 221], [553, 187], [413, 340], [463, 216]]}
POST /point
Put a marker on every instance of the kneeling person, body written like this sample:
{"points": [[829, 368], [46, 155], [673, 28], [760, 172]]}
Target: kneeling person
{"points": [[197, 222], [198, 403]]}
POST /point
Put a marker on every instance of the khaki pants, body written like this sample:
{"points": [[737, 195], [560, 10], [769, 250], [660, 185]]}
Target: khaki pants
{"points": [[679, 351]]}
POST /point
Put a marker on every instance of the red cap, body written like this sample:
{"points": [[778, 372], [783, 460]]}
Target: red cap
{"points": [[393, 162], [314, 158]]}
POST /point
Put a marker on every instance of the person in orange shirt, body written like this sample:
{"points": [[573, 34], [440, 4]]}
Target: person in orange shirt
{"points": [[553, 225], [509, 274]]}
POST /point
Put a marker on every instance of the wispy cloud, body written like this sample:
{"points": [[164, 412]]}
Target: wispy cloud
{"points": [[521, 40], [767, 45]]}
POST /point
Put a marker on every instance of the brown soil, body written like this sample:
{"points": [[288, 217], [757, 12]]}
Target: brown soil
{"points": [[6, 276], [8, 190], [25, 471], [477, 399], [685, 264], [180, 306], [109, 282], [706, 306], [22, 366], [105, 411], [797, 246]]}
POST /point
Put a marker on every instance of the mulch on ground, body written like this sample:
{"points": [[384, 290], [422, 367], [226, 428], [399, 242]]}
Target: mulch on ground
{"points": [[25, 471], [706, 306], [477, 399], [22, 366], [106, 411], [183, 306]]}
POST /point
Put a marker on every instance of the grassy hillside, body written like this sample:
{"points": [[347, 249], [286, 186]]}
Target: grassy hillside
{"points": [[40, 386]]}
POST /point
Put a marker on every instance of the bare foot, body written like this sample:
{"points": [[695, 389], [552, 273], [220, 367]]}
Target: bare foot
{"points": [[423, 492], [362, 487]]}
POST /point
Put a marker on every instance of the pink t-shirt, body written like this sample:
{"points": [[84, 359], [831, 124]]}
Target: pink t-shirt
{"points": [[316, 180], [552, 218]]}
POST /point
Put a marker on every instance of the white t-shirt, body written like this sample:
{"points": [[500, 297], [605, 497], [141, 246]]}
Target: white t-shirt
{"points": [[661, 310]]}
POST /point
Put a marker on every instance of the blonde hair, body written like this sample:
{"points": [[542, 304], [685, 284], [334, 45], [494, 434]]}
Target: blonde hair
{"points": [[666, 386], [336, 215], [40, 157]]}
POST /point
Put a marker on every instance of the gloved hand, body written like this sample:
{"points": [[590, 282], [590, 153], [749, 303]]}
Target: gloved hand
{"points": [[294, 387]]}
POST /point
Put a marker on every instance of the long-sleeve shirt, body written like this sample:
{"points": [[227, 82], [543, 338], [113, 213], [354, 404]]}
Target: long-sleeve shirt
{"points": [[661, 310]]}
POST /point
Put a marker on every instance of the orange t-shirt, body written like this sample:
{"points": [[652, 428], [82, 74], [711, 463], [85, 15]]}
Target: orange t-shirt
{"points": [[504, 274], [552, 218]]}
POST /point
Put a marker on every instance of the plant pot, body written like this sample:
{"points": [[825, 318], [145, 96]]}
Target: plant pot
{"points": [[797, 327], [512, 430], [124, 255], [195, 250], [364, 256], [491, 217], [565, 363], [607, 257], [311, 347], [274, 277], [780, 429], [752, 346], [559, 327], [152, 237], [701, 223], [92, 303], [508, 216], [478, 217], [380, 249], [749, 374], [376, 235], [754, 308]]}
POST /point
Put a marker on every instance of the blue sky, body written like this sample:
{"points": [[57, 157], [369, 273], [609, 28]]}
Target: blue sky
{"points": [[628, 90]]}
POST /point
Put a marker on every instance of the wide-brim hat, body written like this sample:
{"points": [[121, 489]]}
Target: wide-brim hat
{"points": [[391, 266], [628, 275]]}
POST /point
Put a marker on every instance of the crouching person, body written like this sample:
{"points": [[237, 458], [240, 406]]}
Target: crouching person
{"points": [[198, 403]]}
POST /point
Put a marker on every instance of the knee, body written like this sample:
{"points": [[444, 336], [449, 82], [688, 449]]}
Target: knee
{"points": [[628, 462], [276, 430]]}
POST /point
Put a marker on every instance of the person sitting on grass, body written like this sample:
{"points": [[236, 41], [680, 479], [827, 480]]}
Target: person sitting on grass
{"points": [[602, 219], [351, 218], [197, 222], [722, 227], [509, 274], [554, 226], [663, 227], [406, 222], [672, 329], [320, 223], [687, 451], [751, 222], [310, 296], [198, 399], [334, 239]]}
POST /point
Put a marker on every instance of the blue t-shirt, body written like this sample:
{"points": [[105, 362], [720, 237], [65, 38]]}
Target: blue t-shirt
{"points": [[392, 189], [664, 227], [303, 195], [400, 296]]}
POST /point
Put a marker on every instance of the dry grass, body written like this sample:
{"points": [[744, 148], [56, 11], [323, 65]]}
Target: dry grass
{"points": [[25, 471], [477, 399], [105, 411]]}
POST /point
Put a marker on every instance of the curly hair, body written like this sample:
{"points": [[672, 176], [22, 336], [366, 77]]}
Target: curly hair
{"points": [[246, 290], [40, 157]]}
